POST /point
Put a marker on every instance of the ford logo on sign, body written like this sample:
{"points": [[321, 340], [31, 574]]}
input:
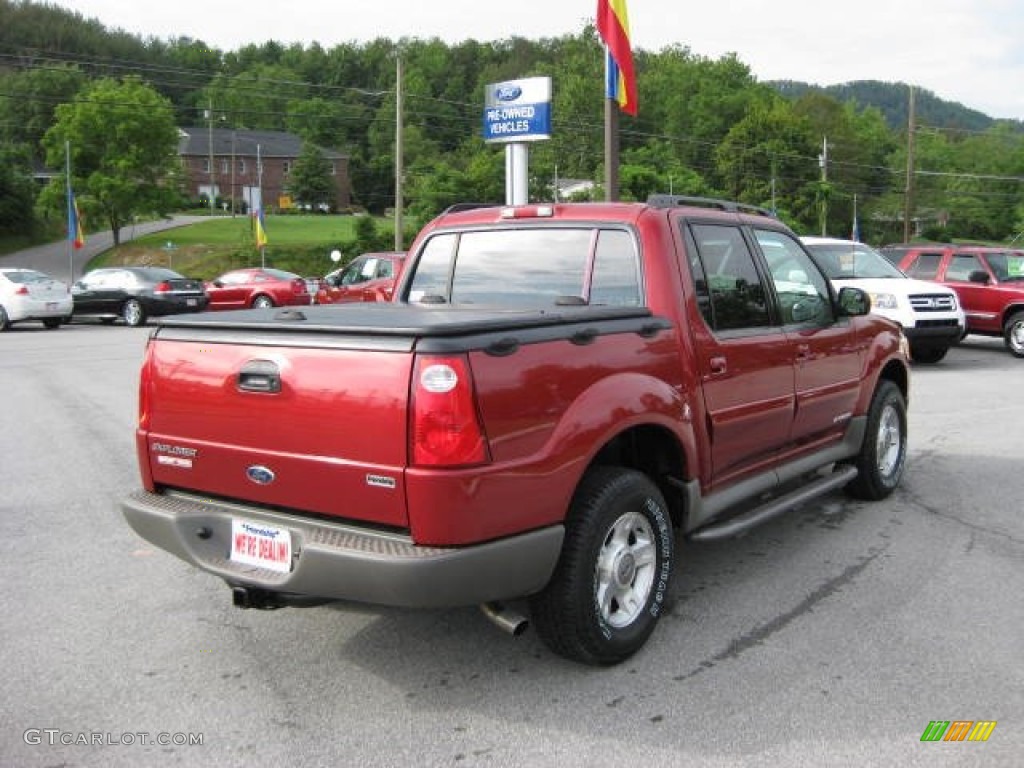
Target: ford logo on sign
{"points": [[260, 475], [508, 92]]}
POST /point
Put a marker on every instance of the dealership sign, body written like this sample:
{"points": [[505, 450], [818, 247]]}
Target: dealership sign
{"points": [[518, 110]]}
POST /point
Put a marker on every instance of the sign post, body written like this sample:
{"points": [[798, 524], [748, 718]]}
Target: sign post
{"points": [[517, 112]]}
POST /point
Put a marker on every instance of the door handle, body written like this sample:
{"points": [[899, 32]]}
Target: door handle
{"points": [[259, 376]]}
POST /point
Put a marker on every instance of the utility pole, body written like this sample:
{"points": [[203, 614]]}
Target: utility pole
{"points": [[213, 185], [233, 163], [399, 239], [908, 197], [823, 162]]}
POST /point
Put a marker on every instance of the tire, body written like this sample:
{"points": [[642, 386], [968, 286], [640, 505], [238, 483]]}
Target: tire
{"points": [[1013, 334], [610, 584], [883, 455], [51, 323], [133, 313], [5, 321], [262, 302], [928, 354]]}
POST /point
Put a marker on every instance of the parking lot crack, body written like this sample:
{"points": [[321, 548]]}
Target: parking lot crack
{"points": [[761, 633]]}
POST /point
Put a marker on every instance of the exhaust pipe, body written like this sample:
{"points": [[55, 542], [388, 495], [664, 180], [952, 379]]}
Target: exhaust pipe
{"points": [[505, 619]]}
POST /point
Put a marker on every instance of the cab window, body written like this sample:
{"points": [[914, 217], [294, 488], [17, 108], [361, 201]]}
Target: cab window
{"points": [[802, 290], [961, 266], [727, 275]]}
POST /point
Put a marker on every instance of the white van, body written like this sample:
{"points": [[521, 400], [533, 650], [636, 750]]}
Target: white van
{"points": [[932, 318]]}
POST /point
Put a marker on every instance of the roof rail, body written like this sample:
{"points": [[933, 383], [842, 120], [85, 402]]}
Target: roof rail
{"points": [[458, 207], [671, 201]]}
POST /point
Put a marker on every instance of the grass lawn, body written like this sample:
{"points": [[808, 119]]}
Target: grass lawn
{"points": [[281, 230], [300, 244]]}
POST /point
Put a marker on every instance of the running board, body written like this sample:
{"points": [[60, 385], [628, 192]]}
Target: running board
{"points": [[754, 517]]}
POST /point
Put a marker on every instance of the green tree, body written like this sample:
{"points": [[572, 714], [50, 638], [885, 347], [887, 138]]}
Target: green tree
{"points": [[122, 142], [17, 192], [310, 181]]}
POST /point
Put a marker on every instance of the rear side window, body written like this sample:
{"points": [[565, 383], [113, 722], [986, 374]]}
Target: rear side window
{"points": [[529, 267], [616, 276], [925, 266], [737, 297]]}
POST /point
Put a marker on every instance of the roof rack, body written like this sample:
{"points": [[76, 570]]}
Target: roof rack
{"points": [[458, 207], [671, 201]]}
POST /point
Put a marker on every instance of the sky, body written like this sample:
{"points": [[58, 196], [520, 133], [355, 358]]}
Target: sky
{"points": [[969, 51]]}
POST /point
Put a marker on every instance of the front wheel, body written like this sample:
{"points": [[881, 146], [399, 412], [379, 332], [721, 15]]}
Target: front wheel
{"points": [[1013, 333], [883, 454], [133, 313], [928, 354], [611, 582]]}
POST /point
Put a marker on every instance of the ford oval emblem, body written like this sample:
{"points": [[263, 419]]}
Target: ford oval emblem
{"points": [[508, 93], [260, 475]]}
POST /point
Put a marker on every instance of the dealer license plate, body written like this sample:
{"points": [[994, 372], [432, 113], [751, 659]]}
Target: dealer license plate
{"points": [[261, 545]]}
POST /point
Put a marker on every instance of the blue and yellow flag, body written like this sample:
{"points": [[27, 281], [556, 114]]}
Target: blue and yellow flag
{"points": [[261, 233]]}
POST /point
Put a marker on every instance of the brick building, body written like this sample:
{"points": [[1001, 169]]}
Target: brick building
{"points": [[235, 175]]}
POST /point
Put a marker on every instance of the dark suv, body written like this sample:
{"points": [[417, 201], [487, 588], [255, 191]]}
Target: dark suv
{"points": [[988, 280]]}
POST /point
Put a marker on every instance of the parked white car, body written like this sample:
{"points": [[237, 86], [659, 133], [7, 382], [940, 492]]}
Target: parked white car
{"points": [[28, 294], [931, 316]]}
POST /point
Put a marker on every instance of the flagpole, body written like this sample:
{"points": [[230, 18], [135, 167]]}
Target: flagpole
{"points": [[69, 213], [611, 138]]}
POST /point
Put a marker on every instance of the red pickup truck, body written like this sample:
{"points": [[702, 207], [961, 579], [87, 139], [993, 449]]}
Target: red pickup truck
{"points": [[555, 394]]}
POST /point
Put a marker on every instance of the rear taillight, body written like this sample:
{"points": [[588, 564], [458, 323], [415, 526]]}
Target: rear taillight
{"points": [[163, 287], [445, 427], [21, 290]]}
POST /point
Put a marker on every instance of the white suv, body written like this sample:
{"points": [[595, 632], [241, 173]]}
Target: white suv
{"points": [[932, 318]]}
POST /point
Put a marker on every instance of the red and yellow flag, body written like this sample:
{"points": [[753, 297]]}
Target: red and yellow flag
{"points": [[620, 75]]}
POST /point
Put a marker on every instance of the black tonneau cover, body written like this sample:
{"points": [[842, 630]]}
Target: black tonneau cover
{"points": [[399, 319]]}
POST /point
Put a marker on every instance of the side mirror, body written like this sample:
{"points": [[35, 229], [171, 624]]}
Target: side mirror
{"points": [[218, 284], [853, 302], [978, 276]]}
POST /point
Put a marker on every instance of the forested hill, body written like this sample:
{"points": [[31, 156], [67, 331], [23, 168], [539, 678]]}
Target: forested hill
{"points": [[893, 101]]}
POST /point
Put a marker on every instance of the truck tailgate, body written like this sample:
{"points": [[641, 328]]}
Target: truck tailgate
{"points": [[313, 424]]}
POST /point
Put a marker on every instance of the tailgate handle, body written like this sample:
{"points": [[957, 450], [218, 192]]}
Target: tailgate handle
{"points": [[259, 376]]}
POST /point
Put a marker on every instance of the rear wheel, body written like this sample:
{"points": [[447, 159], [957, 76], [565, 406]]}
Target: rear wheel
{"points": [[883, 455], [611, 582], [133, 313], [1013, 333], [262, 302], [928, 354]]}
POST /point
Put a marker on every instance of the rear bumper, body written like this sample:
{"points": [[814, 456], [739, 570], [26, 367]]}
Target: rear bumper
{"points": [[334, 561]]}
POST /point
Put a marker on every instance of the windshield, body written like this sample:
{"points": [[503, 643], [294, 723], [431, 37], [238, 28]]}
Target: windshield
{"points": [[846, 261]]}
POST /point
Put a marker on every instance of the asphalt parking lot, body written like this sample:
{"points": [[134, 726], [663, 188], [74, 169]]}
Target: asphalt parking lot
{"points": [[832, 636]]}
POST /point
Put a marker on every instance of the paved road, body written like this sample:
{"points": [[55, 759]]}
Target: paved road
{"points": [[57, 259], [829, 637]]}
